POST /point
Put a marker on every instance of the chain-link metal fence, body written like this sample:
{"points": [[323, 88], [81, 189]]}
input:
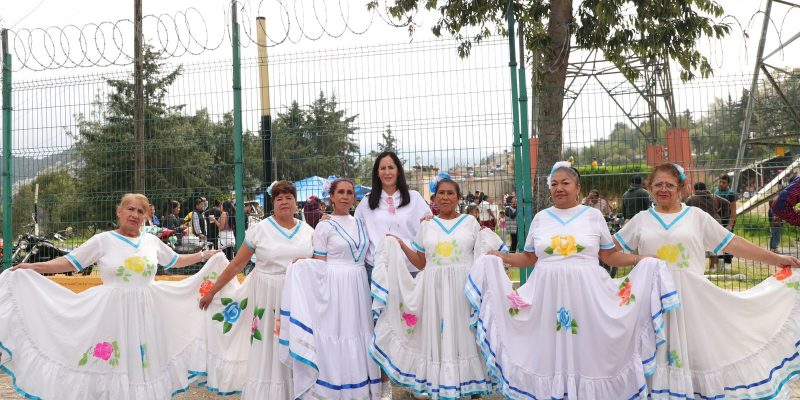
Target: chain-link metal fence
{"points": [[332, 110]]}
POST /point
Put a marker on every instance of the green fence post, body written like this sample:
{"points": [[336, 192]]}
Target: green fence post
{"points": [[518, 156], [524, 217], [8, 234], [237, 128]]}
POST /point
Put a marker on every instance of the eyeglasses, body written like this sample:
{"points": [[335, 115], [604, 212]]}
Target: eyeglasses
{"points": [[390, 204], [665, 185]]}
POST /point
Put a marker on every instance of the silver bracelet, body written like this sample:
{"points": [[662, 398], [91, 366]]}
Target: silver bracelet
{"points": [[202, 256]]}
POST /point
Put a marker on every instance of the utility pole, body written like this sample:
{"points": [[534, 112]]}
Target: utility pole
{"points": [[138, 96]]}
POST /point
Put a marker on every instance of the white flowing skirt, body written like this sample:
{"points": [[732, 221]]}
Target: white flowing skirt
{"points": [[325, 331], [732, 345], [244, 359], [579, 337], [423, 340], [108, 342]]}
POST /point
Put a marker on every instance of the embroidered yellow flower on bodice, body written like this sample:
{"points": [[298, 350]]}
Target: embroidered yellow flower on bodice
{"points": [[674, 254], [444, 249], [563, 245], [669, 253], [446, 253], [135, 264]]}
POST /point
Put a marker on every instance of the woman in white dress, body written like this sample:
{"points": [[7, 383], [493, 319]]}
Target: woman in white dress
{"points": [[721, 344], [422, 338], [130, 338], [325, 311], [391, 208], [570, 331], [244, 358]]}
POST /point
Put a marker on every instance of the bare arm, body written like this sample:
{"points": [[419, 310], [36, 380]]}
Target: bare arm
{"points": [[616, 258], [745, 249], [524, 259], [733, 216], [54, 266], [223, 219], [234, 268], [184, 260]]}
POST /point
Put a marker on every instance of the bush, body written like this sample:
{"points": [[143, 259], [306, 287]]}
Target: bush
{"points": [[611, 181]]}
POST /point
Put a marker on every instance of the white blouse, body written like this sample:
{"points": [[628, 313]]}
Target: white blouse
{"points": [[404, 223]]}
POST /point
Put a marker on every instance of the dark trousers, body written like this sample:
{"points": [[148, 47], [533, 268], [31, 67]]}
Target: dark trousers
{"points": [[513, 247]]}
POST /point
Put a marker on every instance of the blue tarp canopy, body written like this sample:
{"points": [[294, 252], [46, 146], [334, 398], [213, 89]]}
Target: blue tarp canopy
{"points": [[311, 186], [315, 186]]}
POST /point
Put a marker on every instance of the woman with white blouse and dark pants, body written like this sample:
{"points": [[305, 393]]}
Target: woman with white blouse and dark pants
{"points": [[391, 208]]}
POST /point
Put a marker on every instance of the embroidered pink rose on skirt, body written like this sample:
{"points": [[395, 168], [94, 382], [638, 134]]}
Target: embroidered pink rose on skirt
{"points": [[516, 301], [103, 350]]}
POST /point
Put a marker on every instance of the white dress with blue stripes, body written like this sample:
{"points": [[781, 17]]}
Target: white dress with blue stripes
{"points": [[326, 322], [721, 343], [570, 332], [130, 338], [423, 339], [245, 358]]}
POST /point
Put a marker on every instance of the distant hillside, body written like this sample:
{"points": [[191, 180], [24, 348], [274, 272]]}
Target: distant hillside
{"points": [[26, 168]]}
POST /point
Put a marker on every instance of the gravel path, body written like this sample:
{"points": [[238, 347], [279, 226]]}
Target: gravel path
{"points": [[7, 392]]}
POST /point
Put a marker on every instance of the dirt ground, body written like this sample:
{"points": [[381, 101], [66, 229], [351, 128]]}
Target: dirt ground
{"points": [[7, 392]]}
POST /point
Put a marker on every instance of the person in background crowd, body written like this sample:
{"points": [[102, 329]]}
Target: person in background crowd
{"points": [[486, 213], [594, 163], [226, 224], [172, 219], [312, 211], [725, 191], [511, 221], [152, 218], [571, 160], [711, 204], [595, 201], [473, 211], [471, 197], [775, 230], [434, 208], [199, 226], [212, 215], [635, 199]]}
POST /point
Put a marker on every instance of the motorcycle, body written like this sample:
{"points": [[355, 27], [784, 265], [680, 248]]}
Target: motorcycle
{"points": [[181, 245], [31, 248]]}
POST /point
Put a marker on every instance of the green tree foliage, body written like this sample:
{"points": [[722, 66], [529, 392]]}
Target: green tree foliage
{"points": [[716, 141], [620, 147], [717, 138], [185, 155], [315, 141], [620, 29], [389, 141], [58, 207]]}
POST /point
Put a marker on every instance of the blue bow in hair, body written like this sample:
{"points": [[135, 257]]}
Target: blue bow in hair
{"points": [[681, 174]]}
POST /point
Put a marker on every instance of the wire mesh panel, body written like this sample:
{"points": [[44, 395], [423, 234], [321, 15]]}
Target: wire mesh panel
{"points": [[334, 109], [614, 132]]}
